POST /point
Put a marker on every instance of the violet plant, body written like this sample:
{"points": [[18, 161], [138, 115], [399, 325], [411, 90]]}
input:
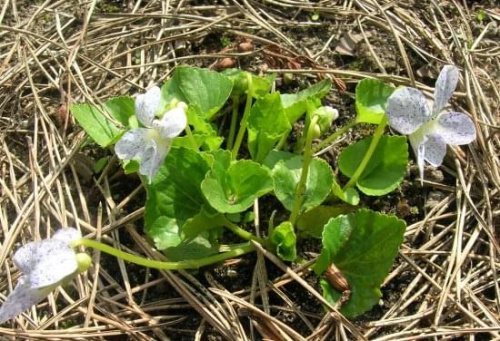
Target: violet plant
{"points": [[207, 182]]}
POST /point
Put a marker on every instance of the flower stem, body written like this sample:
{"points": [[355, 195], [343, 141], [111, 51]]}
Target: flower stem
{"points": [[371, 149], [186, 264], [191, 138], [243, 123], [234, 118], [334, 136], [306, 161]]}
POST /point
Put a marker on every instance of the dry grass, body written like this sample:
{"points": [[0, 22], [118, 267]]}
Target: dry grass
{"points": [[57, 53]]}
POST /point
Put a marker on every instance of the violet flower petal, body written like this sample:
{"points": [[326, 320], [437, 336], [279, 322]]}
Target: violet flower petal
{"points": [[455, 128], [444, 87], [146, 105]]}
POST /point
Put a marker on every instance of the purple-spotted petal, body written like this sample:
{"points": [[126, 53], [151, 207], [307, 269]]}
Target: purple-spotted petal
{"points": [[53, 261], [407, 110], [153, 158], [132, 144], [445, 85], [455, 128], [146, 105], [172, 123], [434, 149], [23, 297]]}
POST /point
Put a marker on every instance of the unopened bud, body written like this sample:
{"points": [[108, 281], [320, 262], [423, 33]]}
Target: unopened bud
{"points": [[84, 261]]}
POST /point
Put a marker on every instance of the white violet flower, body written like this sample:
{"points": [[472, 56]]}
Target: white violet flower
{"points": [[45, 265], [430, 130], [150, 144]]}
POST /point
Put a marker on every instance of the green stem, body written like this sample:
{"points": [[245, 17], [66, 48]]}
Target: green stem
{"points": [[186, 264], [242, 233], [301, 186], [191, 138], [234, 119], [334, 136], [371, 149], [243, 123]]}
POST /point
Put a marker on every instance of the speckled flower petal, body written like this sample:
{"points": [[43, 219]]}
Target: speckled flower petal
{"points": [[445, 85], [434, 149], [153, 158], [146, 105], [23, 258], [67, 235], [23, 297], [53, 260], [132, 144], [407, 110], [172, 123], [455, 128]]}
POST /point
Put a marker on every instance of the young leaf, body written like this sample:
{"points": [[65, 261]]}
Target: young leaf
{"points": [[175, 194], [350, 196], [202, 88], [267, 124], [295, 105], [204, 133], [231, 187], [284, 238], [371, 98], [286, 175], [386, 168], [93, 121], [363, 246]]}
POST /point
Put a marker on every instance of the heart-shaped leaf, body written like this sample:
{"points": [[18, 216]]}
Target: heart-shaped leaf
{"points": [[96, 124], [232, 186], [175, 195], [371, 98], [386, 168], [362, 245], [202, 88], [286, 176], [312, 222]]}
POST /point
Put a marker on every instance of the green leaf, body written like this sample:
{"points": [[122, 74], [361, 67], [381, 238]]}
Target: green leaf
{"points": [[260, 85], [312, 222], [204, 133], [175, 195], [386, 168], [286, 175], [121, 108], [350, 196], [295, 105], [95, 124], [267, 124], [363, 246], [284, 238], [232, 187], [200, 223], [275, 156], [371, 98], [168, 239], [202, 88]]}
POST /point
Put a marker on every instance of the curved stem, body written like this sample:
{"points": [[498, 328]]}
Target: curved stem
{"points": [[234, 118], [187, 264], [242, 233], [306, 161], [243, 123], [334, 136], [371, 149]]}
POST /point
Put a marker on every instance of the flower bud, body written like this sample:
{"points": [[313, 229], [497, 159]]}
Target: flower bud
{"points": [[326, 115], [84, 261]]}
